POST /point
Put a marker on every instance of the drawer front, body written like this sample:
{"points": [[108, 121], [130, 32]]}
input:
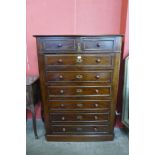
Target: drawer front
{"points": [[79, 90], [65, 129], [98, 44], [57, 44], [80, 59], [87, 76], [80, 117], [80, 105]]}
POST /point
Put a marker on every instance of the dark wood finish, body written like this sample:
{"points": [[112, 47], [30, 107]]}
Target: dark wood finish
{"points": [[79, 83], [99, 44], [81, 44], [79, 90], [77, 129], [72, 76], [79, 105], [80, 138], [105, 60], [80, 117], [58, 44]]}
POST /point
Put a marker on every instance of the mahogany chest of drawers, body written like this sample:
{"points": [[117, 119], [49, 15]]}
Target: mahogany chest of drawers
{"points": [[79, 83]]}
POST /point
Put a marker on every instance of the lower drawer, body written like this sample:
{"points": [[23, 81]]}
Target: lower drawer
{"points": [[79, 117], [103, 105], [75, 129]]}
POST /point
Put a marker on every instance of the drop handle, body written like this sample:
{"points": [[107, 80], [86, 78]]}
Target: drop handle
{"points": [[60, 77], [59, 45], [63, 129], [98, 44], [96, 117], [97, 91], [97, 76], [79, 105], [60, 61], [63, 118], [61, 91], [62, 105], [79, 59], [96, 105], [95, 129], [98, 60], [79, 47], [79, 76], [78, 90]]}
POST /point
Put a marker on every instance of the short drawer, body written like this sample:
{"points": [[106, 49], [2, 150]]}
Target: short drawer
{"points": [[57, 44], [87, 76], [106, 60], [103, 105], [79, 90], [64, 129], [80, 117], [98, 44]]}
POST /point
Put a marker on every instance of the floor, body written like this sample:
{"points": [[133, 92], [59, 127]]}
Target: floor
{"points": [[119, 146]]}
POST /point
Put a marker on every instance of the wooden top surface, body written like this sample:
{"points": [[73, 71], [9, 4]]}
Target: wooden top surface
{"points": [[65, 35]]}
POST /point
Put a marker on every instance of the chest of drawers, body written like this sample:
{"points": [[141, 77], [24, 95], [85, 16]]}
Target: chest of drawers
{"points": [[79, 84]]}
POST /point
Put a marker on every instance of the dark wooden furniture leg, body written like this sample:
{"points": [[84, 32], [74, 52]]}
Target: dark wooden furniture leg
{"points": [[33, 114]]}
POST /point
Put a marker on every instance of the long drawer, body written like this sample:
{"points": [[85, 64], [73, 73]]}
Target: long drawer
{"points": [[78, 129], [80, 59], [64, 105], [78, 76], [80, 117], [79, 91]]}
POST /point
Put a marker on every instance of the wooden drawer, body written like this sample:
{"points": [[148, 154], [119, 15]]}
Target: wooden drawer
{"points": [[57, 44], [87, 76], [103, 105], [65, 129], [80, 59], [98, 44], [80, 117], [79, 90]]}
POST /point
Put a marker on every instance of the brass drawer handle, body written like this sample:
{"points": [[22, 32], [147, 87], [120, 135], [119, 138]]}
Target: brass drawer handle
{"points": [[97, 91], [61, 77], [96, 105], [96, 117], [79, 117], [78, 90], [95, 129], [98, 60], [63, 129], [62, 105], [59, 45], [78, 47], [79, 76], [98, 44], [79, 59], [60, 61], [97, 76], [79, 105], [63, 118], [61, 91]]}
